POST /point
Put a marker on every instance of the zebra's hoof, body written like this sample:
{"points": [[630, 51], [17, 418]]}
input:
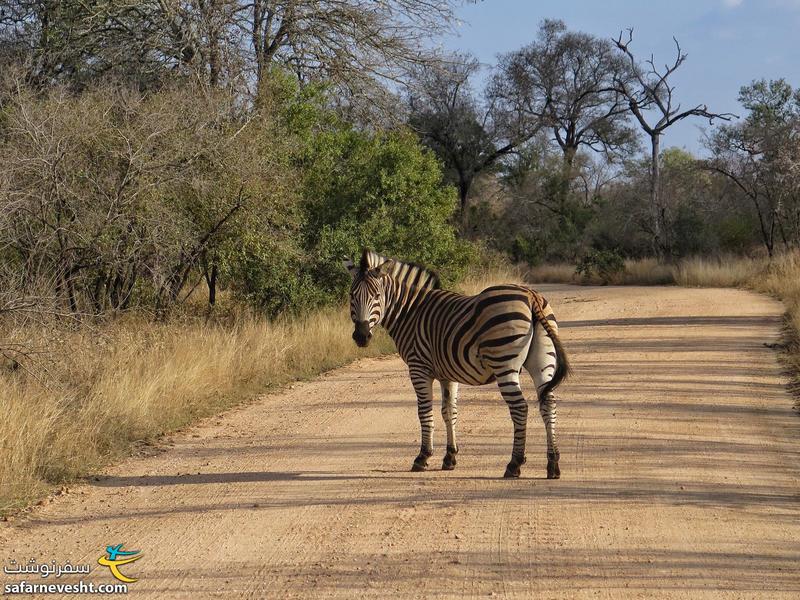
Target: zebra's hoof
{"points": [[449, 462], [420, 463], [512, 471], [553, 472]]}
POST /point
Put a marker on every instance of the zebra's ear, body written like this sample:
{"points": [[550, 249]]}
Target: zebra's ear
{"points": [[350, 266], [386, 268]]}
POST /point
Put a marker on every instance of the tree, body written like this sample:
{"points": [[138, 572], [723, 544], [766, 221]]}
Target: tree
{"points": [[761, 158], [382, 190], [647, 89], [142, 43], [349, 42], [465, 136], [545, 219], [565, 82], [355, 45], [114, 198]]}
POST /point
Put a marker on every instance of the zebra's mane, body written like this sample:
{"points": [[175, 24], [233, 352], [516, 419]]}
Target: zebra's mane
{"points": [[406, 272]]}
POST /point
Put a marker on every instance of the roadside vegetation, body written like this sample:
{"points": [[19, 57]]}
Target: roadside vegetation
{"points": [[101, 389], [694, 271], [179, 181]]}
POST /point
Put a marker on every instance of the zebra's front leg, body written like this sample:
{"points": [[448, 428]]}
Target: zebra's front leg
{"points": [[450, 416], [518, 407], [423, 385]]}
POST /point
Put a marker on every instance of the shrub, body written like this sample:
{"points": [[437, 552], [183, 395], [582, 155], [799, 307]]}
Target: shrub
{"points": [[383, 191], [604, 264]]}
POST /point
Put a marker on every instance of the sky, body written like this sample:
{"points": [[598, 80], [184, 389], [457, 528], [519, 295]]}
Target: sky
{"points": [[729, 43]]}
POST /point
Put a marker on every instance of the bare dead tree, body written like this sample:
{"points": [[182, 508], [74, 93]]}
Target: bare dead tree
{"points": [[648, 90]]}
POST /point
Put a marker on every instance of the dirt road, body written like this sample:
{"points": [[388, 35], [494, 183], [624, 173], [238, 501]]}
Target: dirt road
{"points": [[680, 459]]}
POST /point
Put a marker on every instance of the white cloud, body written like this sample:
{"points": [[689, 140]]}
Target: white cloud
{"points": [[732, 3]]}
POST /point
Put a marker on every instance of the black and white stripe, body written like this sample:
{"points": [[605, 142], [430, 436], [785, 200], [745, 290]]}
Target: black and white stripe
{"points": [[456, 339]]}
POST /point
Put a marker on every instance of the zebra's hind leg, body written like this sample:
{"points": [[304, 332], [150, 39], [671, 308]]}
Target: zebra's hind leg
{"points": [[541, 364], [423, 386], [547, 408], [508, 382], [450, 416]]}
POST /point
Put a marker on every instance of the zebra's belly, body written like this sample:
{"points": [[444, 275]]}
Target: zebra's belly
{"points": [[469, 371], [466, 380]]}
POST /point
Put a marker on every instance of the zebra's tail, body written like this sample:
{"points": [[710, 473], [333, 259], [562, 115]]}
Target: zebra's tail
{"points": [[543, 314]]}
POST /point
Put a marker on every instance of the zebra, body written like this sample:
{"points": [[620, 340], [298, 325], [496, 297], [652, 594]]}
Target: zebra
{"points": [[474, 340]]}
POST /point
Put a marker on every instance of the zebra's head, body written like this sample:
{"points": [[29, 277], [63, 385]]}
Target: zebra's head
{"points": [[367, 300]]}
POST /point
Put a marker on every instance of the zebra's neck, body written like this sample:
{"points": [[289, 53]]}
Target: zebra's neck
{"points": [[400, 301]]}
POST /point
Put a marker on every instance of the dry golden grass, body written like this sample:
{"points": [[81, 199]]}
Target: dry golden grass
{"points": [[691, 272], [135, 380], [723, 271], [781, 278], [553, 273], [480, 280], [645, 271]]}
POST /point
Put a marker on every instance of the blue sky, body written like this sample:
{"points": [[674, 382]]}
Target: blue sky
{"points": [[729, 42]]}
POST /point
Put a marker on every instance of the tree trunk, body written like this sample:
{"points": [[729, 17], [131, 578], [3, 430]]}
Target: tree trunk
{"points": [[69, 289], [655, 201], [765, 235], [211, 282], [567, 175], [98, 297], [128, 285], [570, 152]]}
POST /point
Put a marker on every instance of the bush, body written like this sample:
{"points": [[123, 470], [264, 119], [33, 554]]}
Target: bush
{"points": [[382, 191], [605, 264], [155, 191]]}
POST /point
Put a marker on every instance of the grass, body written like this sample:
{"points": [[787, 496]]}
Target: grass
{"points": [[718, 272], [725, 271], [553, 273], [100, 390], [645, 271], [782, 279], [495, 275]]}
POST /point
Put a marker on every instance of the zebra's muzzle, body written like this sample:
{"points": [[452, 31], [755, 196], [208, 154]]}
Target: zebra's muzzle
{"points": [[362, 333]]}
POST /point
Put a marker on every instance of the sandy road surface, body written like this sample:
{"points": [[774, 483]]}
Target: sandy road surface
{"points": [[680, 458]]}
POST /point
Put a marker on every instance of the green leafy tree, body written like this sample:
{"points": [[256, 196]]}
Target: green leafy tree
{"points": [[383, 191], [759, 158]]}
